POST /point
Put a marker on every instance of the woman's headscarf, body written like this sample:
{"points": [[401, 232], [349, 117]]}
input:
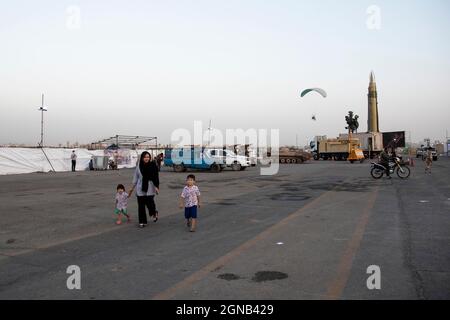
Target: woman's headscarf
{"points": [[146, 170]]}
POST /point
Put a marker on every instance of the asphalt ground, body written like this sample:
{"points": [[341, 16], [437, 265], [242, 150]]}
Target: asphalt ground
{"points": [[309, 232]]}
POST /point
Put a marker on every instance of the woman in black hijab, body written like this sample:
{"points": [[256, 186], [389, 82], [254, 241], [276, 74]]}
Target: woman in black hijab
{"points": [[146, 180]]}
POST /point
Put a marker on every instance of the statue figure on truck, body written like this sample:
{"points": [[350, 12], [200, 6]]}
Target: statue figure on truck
{"points": [[352, 122]]}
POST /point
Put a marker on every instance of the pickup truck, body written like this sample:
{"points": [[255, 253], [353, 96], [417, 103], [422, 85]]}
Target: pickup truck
{"points": [[181, 159], [229, 159]]}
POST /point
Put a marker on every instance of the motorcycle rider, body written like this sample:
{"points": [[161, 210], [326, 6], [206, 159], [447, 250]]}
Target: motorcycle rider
{"points": [[384, 161]]}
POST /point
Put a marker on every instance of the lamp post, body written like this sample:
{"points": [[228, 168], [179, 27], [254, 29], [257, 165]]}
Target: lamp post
{"points": [[41, 144], [209, 133], [42, 109]]}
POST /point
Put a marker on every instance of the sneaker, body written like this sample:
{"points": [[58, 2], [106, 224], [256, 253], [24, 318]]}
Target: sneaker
{"points": [[141, 225]]}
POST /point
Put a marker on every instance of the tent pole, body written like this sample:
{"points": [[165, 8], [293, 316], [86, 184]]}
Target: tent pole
{"points": [[53, 169]]}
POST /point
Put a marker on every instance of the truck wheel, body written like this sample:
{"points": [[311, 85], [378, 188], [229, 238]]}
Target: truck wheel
{"points": [[282, 160], [243, 168], [293, 160], [179, 168], [236, 167], [215, 168], [300, 160], [288, 160]]}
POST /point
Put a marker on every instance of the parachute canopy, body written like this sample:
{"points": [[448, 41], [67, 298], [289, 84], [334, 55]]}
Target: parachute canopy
{"points": [[318, 90]]}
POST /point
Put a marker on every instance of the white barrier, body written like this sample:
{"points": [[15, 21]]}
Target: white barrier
{"points": [[27, 160]]}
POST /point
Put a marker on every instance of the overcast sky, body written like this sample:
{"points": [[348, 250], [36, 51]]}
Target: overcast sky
{"points": [[150, 67]]}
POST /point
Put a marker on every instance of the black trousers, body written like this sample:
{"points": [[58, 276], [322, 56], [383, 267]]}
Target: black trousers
{"points": [[386, 165], [74, 163], [149, 202]]}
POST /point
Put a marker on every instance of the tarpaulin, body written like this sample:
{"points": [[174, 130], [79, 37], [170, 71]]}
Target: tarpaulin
{"points": [[27, 160]]}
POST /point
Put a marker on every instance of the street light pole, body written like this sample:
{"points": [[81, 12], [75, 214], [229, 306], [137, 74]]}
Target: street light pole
{"points": [[41, 144], [42, 109], [42, 121]]}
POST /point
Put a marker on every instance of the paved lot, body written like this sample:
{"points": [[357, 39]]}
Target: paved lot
{"points": [[309, 232]]}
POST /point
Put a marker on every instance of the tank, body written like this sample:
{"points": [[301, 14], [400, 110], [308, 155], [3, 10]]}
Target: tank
{"points": [[293, 155]]}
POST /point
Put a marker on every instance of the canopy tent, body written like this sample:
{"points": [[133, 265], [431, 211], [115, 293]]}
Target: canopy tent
{"points": [[131, 142]]}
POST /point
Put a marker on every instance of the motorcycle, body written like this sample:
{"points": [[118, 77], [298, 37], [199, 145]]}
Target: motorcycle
{"points": [[402, 170]]}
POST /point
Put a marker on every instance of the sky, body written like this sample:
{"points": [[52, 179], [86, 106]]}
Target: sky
{"points": [[151, 67]]}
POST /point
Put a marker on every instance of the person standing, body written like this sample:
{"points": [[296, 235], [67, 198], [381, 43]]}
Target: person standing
{"points": [[428, 160], [146, 182], [159, 160], [73, 157]]}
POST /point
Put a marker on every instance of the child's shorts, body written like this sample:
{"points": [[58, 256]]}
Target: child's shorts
{"points": [[119, 211], [190, 212]]}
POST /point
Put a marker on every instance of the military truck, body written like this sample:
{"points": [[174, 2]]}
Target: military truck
{"points": [[371, 143], [333, 149]]}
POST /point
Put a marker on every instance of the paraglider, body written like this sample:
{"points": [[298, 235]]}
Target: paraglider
{"points": [[319, 91]]}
